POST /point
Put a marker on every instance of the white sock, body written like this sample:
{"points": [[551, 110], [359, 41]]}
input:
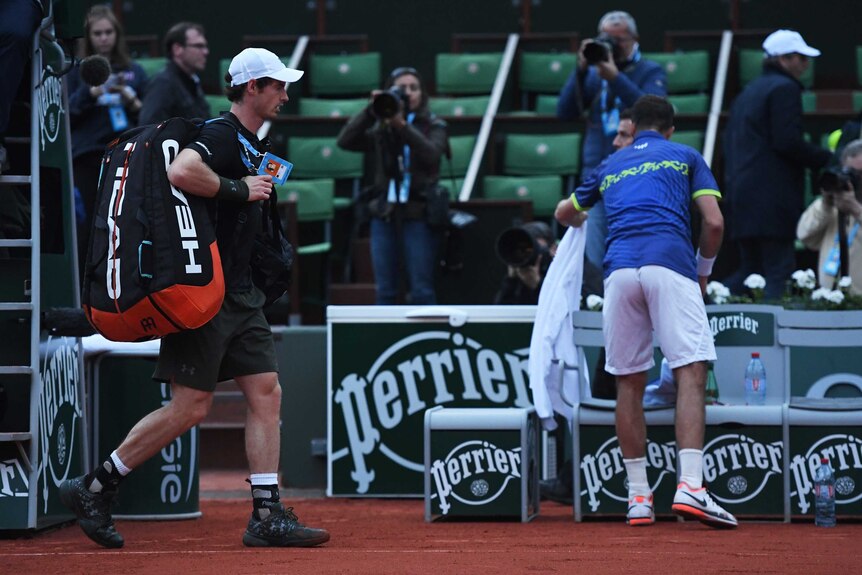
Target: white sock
{"points": [[691, 467], [263, 478], [118, 463], [636, 473]]}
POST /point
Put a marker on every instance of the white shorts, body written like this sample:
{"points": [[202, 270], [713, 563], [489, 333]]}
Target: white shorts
{"points": [[651, 299]]}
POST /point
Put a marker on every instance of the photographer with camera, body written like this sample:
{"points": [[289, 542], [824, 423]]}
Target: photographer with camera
{"points": [[527, 251], [403, 143], [611, 75], [830, 224]]}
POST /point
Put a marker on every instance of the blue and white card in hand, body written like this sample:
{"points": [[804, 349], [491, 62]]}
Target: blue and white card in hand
{"points": [[278, 168]]}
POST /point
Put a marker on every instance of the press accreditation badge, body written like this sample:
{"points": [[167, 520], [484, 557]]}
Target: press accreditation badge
{"points": [[276, 167]]}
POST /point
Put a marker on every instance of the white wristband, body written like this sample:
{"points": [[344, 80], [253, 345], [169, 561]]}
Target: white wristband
{"points": [[704, 265]]}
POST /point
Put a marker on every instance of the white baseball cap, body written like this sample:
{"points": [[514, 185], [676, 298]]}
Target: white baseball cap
{"points": [[254, 63], [783, 42]]}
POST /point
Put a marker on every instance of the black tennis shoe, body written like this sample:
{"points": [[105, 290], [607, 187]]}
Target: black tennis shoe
{"points": [[93, 511], [281, 528]]}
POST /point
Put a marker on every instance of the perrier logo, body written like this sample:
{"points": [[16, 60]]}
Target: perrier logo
{"points": [[742, 328], [379, 412]]}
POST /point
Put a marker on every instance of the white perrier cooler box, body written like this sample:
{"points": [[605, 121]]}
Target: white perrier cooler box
{"points": [[481, 462]]}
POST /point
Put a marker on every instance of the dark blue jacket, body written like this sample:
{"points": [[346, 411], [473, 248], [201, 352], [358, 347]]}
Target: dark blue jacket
{"points": [[91, 122], [584, 90], [766, 156]]}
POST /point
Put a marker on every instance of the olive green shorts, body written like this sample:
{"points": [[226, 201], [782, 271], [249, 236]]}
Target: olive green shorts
{"points": [[237, 341]]}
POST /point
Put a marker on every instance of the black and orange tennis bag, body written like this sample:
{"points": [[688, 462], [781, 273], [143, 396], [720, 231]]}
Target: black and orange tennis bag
{"points": [[153, 266]]}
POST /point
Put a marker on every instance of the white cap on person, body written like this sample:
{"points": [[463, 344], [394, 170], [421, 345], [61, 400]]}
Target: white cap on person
{"points": [[254, 63], [782, 42]]}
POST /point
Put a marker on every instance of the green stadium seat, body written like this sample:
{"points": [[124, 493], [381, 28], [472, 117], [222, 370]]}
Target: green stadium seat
{"points": [[857, 101], [218, 103], [686, 71], [859, 64], [544, 191], [152, 66], [545, 72], [689, 103], [546, 105], [464, 106], [314, 203], [462, 74], [322, 158], [542, 154], [693, 138], [343, 74], [331, 108], [751, 66], [462, 151], [809, 101]]}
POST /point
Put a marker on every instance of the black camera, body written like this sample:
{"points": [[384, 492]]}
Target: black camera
{"points": [[519, 247], [597, 49], [389, 102], [836, 179]]}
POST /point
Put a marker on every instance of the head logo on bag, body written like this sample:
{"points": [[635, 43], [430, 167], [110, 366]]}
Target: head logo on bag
{"points": [[153, 267]]}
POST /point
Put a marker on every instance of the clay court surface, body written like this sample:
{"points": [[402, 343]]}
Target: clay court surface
{"points": [[391, 536]]}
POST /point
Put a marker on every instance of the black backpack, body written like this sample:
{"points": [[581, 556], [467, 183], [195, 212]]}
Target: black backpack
{"points": [[153, 266]]}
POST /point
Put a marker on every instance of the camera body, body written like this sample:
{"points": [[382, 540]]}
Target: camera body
{"points": [[389, 102], [835, 179], [597, 49], [520, 247]]}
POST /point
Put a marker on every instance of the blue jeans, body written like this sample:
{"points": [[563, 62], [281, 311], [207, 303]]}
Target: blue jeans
{"points": [[773, 258], [416, 248]]}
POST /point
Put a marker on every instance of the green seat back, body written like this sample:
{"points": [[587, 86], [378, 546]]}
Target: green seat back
{"points": [[544, 191], [467, 73], [322, 158], [218, 103], [686, 71], [314, 198], [339, 74], [152, 66], [331, 108], [689, 103], [859, 64], [545, 72], [462, 151], [857, 101], [693, 138], [223, 66], [542, 154], [809, 101], [546, 104], [751, 66], [464, 106]]}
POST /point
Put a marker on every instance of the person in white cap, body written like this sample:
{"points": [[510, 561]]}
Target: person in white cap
{"points": [[765, 160], [223, 163]]}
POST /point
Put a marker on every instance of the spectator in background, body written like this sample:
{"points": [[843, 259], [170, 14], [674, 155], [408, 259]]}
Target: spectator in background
{"points": [[604, 88], [523, 279], [403, 143], [176, 91], [18, 22], [818, 226], [765, 160], [98, 114]]}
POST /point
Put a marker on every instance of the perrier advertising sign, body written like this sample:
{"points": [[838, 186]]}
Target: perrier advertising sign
{"points": [[383, 376]]}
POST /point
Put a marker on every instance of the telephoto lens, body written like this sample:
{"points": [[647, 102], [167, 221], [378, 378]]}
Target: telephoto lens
{"points": [[387, 104]]}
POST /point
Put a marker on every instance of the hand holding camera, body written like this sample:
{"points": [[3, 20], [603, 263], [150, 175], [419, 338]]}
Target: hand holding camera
{"points": [[389, 105], [603, 52]]}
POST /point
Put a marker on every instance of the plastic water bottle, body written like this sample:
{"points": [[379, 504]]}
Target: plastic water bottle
{"points": [[824, 495], [755, 381], [711, 394]]}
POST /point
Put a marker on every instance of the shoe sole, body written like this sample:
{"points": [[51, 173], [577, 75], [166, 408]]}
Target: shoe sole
{"points": [[689, 512], [641, 521], [251, 540]]}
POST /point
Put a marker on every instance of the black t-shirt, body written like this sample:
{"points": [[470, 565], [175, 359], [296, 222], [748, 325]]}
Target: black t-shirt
{"points": [[236, 223]]}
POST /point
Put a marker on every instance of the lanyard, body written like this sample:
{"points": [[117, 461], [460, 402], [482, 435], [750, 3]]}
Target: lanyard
{"points": [[249, 151], [832, 264], [611, 114], [404, 190]]}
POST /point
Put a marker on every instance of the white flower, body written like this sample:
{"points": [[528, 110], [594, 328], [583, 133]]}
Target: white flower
{"points": [[845, 282], [819, 293], [717, 292], [835, 296], [594, 302], [755, 281], [805, 279]]}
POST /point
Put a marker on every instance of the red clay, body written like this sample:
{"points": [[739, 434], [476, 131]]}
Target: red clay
{"points": [[391, 536]]}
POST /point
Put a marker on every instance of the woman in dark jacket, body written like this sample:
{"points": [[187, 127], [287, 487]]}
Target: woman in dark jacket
{"points": [[403, 143], [98, 114]]}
